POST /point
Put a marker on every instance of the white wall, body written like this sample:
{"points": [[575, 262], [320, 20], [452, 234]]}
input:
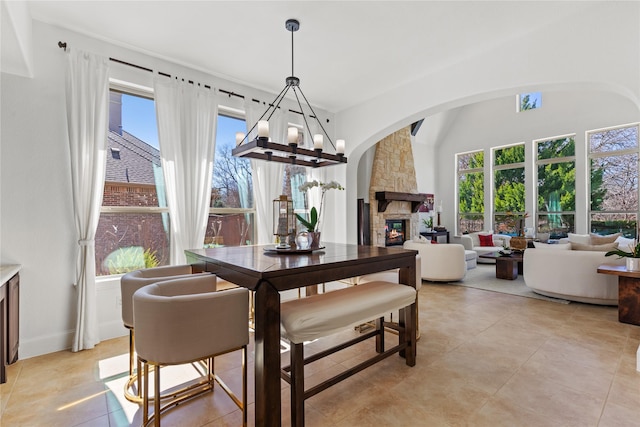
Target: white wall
{"points": [[37, 226]]}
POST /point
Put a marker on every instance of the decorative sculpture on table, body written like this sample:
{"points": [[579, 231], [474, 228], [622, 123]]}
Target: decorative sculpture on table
{"points": [[283, 220]]}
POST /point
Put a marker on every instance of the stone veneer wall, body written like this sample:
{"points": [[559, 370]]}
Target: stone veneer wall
{"points": [[393, 170]]}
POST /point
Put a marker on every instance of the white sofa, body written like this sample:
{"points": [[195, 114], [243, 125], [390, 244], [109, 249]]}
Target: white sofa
{"points": [[571, 275], [471, 242], [440, 262]]}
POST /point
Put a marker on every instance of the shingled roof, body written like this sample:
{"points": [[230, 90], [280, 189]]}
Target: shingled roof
{"points": [[130, 159]]}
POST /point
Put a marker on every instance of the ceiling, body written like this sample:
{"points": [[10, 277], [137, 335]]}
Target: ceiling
{"points": [[345, 52]]}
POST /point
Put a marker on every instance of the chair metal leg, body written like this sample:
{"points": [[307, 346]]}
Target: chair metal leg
{"points": [[244, 386], [145, 395], [156, 400]]}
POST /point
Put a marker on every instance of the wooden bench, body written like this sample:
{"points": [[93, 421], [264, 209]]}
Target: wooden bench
{"points": [[321, 315]]}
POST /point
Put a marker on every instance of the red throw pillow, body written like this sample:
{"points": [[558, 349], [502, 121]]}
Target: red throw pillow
{"points": [[486, 239], [434, 241]]}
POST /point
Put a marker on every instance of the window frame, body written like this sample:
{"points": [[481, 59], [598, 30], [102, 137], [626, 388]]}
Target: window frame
{"points": [[541, 162], [508, 166], [613, 153], [131, 89], [459, 172]]}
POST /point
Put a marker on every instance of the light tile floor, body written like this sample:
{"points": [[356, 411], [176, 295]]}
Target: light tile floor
{"points": [[484, 359]]}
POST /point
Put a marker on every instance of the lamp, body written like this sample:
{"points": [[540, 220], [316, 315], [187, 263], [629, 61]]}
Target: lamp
{"points": [[283, 220], [264, 149]]}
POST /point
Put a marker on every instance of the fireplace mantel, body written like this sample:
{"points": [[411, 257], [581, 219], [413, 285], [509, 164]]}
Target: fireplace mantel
{"points": [[386, 197]]}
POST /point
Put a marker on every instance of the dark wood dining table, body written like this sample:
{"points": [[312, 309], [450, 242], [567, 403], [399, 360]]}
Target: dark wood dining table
{"points": [[268, 273]]}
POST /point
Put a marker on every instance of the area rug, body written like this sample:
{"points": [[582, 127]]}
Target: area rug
{"points": [[484, 277]]}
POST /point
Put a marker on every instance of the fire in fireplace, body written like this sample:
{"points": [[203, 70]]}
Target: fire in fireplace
{"points": [[394, 231]]}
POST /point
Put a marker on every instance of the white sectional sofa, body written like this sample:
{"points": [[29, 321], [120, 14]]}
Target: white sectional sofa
{"points": [[471, 242], [571, 275]]}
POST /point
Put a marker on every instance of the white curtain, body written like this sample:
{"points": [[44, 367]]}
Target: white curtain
{"points": [[266, 176], [187, 117], [87, 90]]}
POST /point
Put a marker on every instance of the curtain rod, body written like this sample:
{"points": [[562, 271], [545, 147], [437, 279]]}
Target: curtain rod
{"points": [[63, 45]]}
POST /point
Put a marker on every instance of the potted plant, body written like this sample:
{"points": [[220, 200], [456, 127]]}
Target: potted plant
{"points": [[313, 223], [632, 256], [428, 223]]}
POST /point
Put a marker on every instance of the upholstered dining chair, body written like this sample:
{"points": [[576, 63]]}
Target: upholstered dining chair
{"points": [[129, 283], [183, 321]]}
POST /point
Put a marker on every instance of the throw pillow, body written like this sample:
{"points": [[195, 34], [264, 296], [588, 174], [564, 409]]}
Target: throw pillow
{"points": [[583, 239], [485, 240], [434, 241], [554, 247], [625, 244], [597, 239], [594, 248]]}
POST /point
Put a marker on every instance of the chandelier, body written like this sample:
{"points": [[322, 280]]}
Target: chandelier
{"points": [[265, 149]]}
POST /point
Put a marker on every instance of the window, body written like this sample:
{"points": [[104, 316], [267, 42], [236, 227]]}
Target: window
{"points": [[508, 184], [556, 176], [294, 177], [613, 160], [231, 216], [470, 168], [133, 229], [528, 101]]}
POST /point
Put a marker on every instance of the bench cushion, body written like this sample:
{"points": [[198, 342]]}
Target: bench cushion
{"points": [[320, 315]]}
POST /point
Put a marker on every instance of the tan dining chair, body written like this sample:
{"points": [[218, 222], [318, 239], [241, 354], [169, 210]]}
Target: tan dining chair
{"points": [[129, 284], [186, 320]]}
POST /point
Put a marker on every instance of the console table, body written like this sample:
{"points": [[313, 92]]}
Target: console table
{"points": [[432, 234], [628, 292]]}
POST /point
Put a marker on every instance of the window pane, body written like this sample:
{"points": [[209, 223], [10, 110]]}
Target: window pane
{"points": [[614, 183], [294, 177], [471, 192], [509, 190], [530, 101], [556, 224], [556, 187], [608, 223], [509, 155], [564, 147], [471, 160], [232, 186], [130, 241], [127, 241], [229, 230], [468, 223], [614, 139]]}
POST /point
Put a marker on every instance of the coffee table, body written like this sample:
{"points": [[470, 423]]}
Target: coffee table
{"points": [[507, 266]]}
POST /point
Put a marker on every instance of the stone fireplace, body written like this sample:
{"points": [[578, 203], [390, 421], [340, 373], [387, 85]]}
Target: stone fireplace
{"points": [[393, 171]]}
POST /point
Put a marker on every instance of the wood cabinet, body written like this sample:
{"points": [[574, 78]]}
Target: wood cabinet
{"points": [[9, 323]]}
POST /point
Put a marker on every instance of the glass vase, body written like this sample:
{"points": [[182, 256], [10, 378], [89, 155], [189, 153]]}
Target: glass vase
{"points": [[304, 240]]}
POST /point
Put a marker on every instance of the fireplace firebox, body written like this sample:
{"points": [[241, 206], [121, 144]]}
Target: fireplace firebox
{"points": [[395, 231]]}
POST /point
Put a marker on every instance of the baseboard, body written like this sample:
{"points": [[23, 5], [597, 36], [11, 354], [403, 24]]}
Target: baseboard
{"points": [[59, 342]]}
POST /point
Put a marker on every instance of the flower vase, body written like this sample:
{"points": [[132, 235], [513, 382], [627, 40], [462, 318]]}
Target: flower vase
{"points": [[315, 243], [633, 264]]}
